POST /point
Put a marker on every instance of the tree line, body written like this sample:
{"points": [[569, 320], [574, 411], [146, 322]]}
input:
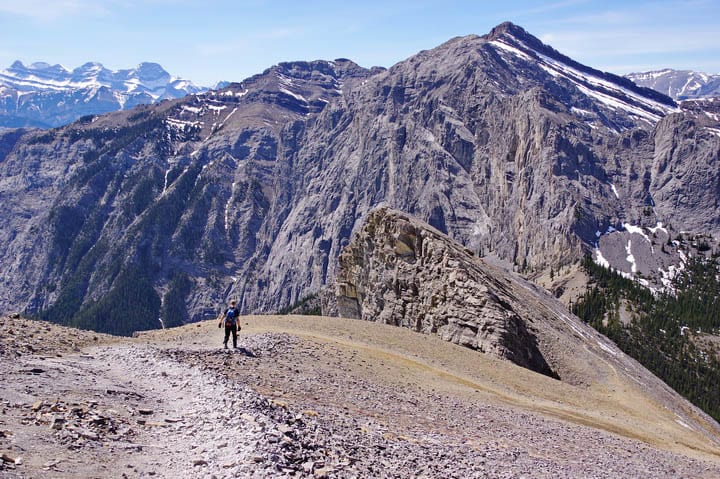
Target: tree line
{"points": [[663, 328]]}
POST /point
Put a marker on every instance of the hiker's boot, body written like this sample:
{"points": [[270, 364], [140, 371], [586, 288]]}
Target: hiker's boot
{"points": [[224, 345]]}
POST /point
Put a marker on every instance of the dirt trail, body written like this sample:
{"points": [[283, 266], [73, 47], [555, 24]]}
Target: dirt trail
{"points": [[311, 398]]}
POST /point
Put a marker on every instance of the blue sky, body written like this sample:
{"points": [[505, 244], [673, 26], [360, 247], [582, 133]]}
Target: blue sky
{"points": [[206, 41]]}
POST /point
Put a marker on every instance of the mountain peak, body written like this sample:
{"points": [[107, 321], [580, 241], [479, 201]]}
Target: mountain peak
{"points": [[90, 66], [37, 67], [508, 28], [518, 38], [151, 69]]}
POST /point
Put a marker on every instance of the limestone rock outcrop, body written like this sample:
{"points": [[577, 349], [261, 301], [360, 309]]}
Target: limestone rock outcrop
{"points": [[398, 270]]}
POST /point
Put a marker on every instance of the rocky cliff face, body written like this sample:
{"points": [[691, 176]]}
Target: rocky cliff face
{"points": [[509, 147], [400, 271]]}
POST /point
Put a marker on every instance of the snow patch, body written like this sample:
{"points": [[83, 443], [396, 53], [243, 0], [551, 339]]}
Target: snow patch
{"points": [[630, 258], [192, 109], [580, 111], [180, 124], [636, 230], [576, 76], [511, 49], [659, 227], [606, 348], [614, 103], [227, 205], [294, 95], [600, 259], [615, 191], [167, 172], [227, 117], [714, 131]]}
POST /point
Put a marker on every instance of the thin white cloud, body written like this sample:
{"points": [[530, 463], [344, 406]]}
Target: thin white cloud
{"points": [[44, 11]]}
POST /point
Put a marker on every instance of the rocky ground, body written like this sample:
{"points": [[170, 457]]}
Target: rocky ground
{"points": [[327, 402]]}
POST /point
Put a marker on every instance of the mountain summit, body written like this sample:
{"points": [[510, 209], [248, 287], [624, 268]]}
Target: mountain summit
{"points": [[46, 95]]}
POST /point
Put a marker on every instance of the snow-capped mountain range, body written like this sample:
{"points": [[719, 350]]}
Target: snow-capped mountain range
{"points": [[44, 95], [679, 84]]}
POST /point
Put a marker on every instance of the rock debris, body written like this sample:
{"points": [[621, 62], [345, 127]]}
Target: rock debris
{"points": [[282, 406]]}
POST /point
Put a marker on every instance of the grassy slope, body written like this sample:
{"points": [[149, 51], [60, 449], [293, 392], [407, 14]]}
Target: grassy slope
{"points": [[610, 401]]}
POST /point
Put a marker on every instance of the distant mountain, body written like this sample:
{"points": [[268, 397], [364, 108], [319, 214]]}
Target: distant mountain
{"points": [[43, 95], [679, 84]]}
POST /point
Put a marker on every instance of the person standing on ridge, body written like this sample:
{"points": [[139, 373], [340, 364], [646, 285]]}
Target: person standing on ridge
{"points": [[231, 319]]}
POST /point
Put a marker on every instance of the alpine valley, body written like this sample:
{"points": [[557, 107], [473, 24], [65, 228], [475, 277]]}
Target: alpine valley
{"points": [[42, 95]]}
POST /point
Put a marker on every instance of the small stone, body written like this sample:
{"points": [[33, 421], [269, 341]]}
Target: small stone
{"points": [[89, 435], [285, 429], [57, 423], [145, 412], [323, 472], [37, 405], [200, 462]]}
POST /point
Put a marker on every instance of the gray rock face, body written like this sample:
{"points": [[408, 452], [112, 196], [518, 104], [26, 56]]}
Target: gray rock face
{"points": [[162, 212], [400, 271]]}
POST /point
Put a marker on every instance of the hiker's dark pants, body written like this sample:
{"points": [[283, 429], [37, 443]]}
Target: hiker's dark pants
{"points": [[231, 329]]}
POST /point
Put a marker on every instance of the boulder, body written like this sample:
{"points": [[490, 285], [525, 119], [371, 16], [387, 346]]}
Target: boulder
{"points": [[401, 271]]}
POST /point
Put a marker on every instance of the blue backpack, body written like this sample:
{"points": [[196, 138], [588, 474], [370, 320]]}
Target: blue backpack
{"points": [[231, 316]]}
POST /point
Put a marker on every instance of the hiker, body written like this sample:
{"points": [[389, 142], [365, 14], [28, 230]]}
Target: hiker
{"points": [[231, 318]]}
